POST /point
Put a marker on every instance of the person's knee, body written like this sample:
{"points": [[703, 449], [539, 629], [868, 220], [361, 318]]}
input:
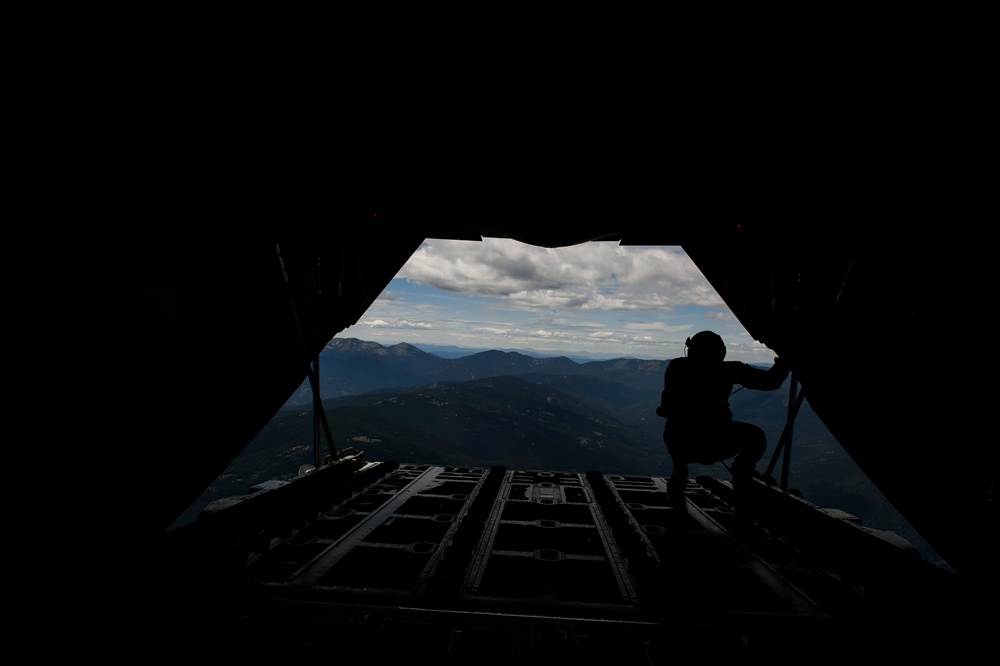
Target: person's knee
{"points": [[679, 467], [752, 448]]}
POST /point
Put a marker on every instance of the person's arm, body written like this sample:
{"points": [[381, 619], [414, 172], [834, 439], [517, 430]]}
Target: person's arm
{"points": [[761, 380]]}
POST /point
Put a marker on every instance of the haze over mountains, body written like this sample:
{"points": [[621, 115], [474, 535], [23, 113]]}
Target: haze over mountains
{"points": [[523, 412], [349, 366]]}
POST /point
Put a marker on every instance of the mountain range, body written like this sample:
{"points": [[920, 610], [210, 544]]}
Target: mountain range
{"points": [[349, 366], [524, 412]]}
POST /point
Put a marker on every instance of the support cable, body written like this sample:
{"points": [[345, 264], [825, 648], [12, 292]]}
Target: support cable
{"points": [[796, 401], [786, 434], [313, 376], [789, 424]]}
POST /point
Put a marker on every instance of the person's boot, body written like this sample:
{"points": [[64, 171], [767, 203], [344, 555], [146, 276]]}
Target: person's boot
{"points": [[742, 484]]}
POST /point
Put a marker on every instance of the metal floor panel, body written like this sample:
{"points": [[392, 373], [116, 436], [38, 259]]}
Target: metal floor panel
{"points": [[604, 545], [509, 565]]}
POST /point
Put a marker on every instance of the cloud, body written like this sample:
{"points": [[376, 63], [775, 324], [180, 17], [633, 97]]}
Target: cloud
{"points": [[596, 297], [589, 276], [415, 324], [523, 333], [381, 323]]}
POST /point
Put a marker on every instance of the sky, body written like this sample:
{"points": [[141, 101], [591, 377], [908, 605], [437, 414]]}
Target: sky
{"points": [[595, 299]]}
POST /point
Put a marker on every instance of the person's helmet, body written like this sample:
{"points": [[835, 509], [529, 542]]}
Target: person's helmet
{"points": [[706, 345]]}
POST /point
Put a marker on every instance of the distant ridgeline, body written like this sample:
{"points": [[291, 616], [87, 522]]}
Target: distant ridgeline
{"points": [[350, 367]]}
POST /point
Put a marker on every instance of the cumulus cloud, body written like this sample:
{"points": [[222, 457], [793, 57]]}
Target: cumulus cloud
{"points": [[594, 297], [598, 275]]}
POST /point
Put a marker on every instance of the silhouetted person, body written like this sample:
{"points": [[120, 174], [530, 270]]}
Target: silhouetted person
{"points": [[695, 401]]}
